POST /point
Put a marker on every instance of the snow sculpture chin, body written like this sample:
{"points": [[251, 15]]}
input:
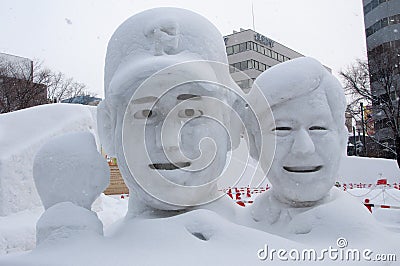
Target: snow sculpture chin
{"points": [[307, 123], [166, 114]]}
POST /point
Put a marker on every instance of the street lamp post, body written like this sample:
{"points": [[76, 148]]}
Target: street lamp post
{"points": [[354, 140]]}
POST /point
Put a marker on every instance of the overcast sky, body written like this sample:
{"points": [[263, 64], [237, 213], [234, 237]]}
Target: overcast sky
{"points": [[71, 35]]}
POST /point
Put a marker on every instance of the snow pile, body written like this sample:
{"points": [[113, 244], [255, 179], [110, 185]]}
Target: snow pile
{"points": [[200, 237], [368, 170], [65, 220], [21, 135], [17, 231], [110, 209]]}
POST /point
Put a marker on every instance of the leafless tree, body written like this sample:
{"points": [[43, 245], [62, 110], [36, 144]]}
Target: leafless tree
{"points": [[25, 83], [60, 87], [376, 83], [20, 87]]}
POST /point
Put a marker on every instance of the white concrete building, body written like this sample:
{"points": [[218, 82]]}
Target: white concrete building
{"points": [[252, 53]]}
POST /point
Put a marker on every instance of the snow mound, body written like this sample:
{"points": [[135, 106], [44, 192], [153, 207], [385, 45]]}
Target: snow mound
{"points": [[199, 237], [368, 170], [22, 133], [17, 231], [64, 220]]}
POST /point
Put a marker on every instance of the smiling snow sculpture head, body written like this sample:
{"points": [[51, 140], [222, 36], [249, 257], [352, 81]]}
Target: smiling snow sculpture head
{"points": [[308, 125], [166, 113]]}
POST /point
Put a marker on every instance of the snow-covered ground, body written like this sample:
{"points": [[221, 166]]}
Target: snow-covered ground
{"points": [[18, 232]]}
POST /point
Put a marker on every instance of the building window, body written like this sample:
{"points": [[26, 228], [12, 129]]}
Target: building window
{"points": [[248, 64], [236, 49], [372, 5], [384, 22], [243, 65], [267, 52], [249, 45], [242, 47], [246, 46]]}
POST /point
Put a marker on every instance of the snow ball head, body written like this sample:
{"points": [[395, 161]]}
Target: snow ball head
{"points": [[69, 168]]}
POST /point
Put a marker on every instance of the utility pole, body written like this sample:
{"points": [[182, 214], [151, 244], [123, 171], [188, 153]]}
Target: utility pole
{"points": [[252, 14], [363, 128]]}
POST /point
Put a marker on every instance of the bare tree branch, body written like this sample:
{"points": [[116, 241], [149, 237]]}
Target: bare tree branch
{"points": [[376, 83], [25, 83]]}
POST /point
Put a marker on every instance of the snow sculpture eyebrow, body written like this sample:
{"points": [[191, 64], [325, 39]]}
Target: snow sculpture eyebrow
{"points": [[183, 97], [148, 99]]}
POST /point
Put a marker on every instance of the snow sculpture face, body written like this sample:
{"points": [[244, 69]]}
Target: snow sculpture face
{"points": [[308, 127], [167, 111]]}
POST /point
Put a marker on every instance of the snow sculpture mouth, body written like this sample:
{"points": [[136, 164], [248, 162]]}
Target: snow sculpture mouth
{"points": [[302, 169], [169, 166]]}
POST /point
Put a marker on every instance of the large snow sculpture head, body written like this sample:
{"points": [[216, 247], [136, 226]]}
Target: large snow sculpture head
{"points": [[308, 106], [166, 110]]}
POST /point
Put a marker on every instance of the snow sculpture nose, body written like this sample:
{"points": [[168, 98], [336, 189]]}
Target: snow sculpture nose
{"points": [[303, 144], [168, 135]]}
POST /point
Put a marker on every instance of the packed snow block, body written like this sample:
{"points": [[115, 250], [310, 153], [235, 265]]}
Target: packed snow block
{"points": [[22, 133]]}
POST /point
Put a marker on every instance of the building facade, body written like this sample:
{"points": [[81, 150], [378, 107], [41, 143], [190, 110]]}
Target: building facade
{"points": [[382, 30], [250, 53]]}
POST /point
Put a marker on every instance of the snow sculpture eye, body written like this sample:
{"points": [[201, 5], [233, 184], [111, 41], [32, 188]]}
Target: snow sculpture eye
{"points": [[189, 113], [144, 114], [282, 131], [319, 128]]}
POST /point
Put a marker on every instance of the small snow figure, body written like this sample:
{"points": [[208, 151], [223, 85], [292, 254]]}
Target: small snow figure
{"points": [[69, 174]]}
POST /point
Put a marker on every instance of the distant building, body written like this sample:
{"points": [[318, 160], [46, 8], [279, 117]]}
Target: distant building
{"points": [[251, 53], [382, 30], [83, 99], [17, 87]]}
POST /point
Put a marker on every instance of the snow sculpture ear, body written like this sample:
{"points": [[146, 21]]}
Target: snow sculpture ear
{"points": [[106, 126]]}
